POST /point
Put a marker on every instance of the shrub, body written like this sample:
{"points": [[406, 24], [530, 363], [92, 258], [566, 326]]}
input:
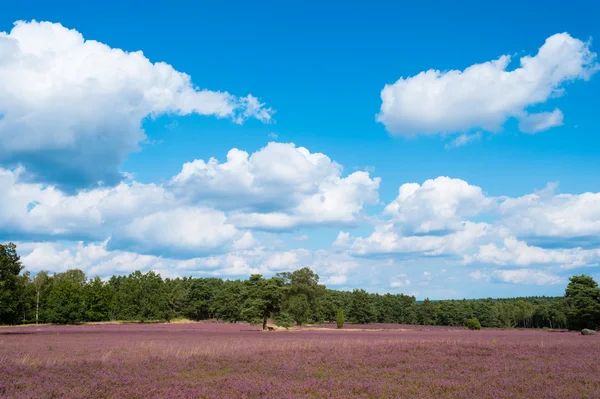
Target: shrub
{"points": [[283, 320], [340, 318], [473, 324]]}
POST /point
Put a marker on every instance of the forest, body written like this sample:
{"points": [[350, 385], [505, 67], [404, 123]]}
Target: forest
{"points": [[289, 298]]}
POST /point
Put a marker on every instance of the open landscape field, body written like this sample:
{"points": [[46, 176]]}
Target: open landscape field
{"points": [[218, 360]]}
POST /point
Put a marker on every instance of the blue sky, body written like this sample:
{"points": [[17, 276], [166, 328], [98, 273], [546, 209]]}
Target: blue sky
{"points": [[474, 146]]}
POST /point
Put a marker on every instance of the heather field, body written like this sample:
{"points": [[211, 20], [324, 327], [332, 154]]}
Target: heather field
{"points": [[214, 360]]}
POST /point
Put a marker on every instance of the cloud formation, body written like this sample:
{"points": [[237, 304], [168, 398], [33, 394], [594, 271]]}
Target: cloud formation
{"points": [[279, 187], [72, 109], [484, 96], [207, 208]]}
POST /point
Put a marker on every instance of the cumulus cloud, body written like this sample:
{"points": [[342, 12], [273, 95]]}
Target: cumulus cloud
{"points": [[439, 217], [486, 95], [72, 109], [518, 253], [39, 210], [187, 231], [279, 187], [438, 204], [387, 240], [207, 207], [549, 215]]}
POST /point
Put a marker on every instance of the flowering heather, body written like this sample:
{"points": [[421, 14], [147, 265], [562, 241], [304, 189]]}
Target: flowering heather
{"points": [[206, 360]]}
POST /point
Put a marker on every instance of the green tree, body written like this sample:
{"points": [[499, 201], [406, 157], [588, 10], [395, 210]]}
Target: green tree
{"points": [[66, 302], [340, 318], [11, 286], [303, 297], [582, 303], [228, 301], [427, 313], [362, 308], [506, 315], [97, 300], [263, 298]]}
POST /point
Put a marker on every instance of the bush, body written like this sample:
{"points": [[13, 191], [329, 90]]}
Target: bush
{"points": [[473, 324], [340, 318], [283, 320]]}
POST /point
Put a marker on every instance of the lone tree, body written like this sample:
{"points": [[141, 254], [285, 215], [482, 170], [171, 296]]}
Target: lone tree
{"points": [[583, 303], [10, 285], [263, 298], [303, 295]]}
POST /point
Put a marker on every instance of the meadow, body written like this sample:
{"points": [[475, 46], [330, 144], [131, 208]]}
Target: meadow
{"points": [[227, 360]]}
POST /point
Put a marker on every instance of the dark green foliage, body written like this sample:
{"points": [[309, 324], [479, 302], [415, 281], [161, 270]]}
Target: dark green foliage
{"points": [[227, 304], [582, 303], [11, 286], [66, 303], [263, 298], [427, 313], [362, 308], [303, 295], [97, 297], [284, 320], [138, 296], [473, 324], [340, 318]]}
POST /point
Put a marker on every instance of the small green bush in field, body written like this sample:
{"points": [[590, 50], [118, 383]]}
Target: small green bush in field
{"points": [[473, 324], [283, 320], [340, 318]]}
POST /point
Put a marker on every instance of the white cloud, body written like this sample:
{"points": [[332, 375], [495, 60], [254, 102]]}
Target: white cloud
{"points": [[463, 139], [343, 240], [518, 253], [399, 283], [437, 204], [31, 208], [180, 230], [98, 259], [279, 187], [526, 276], [94, 259], [478, 275], [386, 240], [302, 237], [486, 95], [547, 214], [336, 280], [56, 90], [534, 123], [282, 261]]}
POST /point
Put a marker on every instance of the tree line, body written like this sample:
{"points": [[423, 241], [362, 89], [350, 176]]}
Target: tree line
{"points": [[286, 298]]}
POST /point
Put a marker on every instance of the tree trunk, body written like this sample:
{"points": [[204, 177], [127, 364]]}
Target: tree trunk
{"points": [[264, 322]]}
